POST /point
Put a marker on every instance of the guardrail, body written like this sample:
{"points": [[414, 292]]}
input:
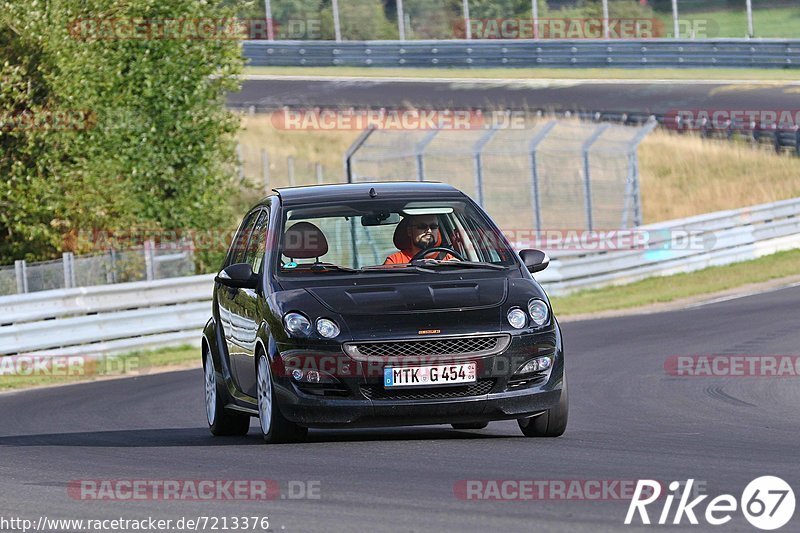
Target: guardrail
{"points": [[106, 319], [149, 314], [724, 237], [650, 53]]}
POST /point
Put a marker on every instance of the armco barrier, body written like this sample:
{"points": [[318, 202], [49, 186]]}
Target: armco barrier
{"points": [[149, 314], [653, 53]]}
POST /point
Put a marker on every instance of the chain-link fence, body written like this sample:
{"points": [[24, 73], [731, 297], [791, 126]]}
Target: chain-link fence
{"points": [[555, 174], [147, 262]]}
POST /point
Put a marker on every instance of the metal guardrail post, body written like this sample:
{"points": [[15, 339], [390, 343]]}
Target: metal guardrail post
{"points": [[587, 179], [633, 158], [532, 148], [476, 150], [22, 276], [348, 155], [467, 28], [268, 15], [420, 153]]}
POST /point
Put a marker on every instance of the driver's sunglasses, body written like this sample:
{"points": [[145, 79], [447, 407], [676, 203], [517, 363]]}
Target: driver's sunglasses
{"points": [[423, 227]]}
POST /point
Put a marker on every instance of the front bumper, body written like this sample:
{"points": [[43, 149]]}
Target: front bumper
{"points": [[503, 398]]}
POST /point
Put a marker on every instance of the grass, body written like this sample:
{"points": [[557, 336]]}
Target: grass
{"points": [[778, 22], [670, 288], [721, 74], [681, 175], [131, 364]]}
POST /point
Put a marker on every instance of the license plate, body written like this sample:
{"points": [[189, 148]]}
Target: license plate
{"points": [[428, 376]]}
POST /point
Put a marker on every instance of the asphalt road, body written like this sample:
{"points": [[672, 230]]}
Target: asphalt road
{"points": [[563, 95], [628, 420]]}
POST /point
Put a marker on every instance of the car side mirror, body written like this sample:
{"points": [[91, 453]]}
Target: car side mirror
{"points": [[535, 260], [238, 276]]}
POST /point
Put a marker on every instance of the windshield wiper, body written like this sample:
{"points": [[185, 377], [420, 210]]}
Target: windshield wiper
{"points": [[464, 264]]}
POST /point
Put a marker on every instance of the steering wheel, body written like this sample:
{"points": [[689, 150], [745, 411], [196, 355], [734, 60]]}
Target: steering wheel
{"points": [[422, 253]]}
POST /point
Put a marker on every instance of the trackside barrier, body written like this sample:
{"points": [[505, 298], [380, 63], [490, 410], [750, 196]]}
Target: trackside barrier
{"points": [[587, 53], [150, 314]]}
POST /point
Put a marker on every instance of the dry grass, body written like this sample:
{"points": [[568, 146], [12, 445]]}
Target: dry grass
{"points": [[686, 175], [681, 175]]}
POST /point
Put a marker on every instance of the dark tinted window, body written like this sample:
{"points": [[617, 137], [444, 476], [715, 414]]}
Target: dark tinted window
{"points": [[238, 249], [257, 246]]}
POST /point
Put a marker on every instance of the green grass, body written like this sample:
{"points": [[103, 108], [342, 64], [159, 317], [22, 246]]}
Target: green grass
{"points": [[670, 288], [721, 74], [130, 364], [779, 22]]}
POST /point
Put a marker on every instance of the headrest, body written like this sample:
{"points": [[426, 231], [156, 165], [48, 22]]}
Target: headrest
{"points": [[401, 239], [304, 241]]}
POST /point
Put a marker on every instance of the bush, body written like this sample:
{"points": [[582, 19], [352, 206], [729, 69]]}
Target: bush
{"points": [[151, 145]]}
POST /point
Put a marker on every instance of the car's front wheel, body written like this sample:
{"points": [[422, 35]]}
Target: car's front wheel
{"points": [[551, 423], [274, 427], [220, 421]]}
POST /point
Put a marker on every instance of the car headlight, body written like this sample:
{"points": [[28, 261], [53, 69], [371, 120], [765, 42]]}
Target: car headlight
{"points": [[517, 318], [297, 325], [327, 328], [538, 311]]}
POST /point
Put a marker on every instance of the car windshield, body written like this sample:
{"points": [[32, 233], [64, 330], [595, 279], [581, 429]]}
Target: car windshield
{"points": [[381, 236]]}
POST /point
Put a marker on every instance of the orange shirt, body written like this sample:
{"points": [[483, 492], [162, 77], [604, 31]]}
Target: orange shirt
{"points": [[405, 256]]}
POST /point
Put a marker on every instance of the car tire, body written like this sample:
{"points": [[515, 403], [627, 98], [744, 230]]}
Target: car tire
{"points": [[551, 423], [221, 422], [472, 425], [274, 427]]}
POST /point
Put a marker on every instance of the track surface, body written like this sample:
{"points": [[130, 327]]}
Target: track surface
{"points": [[563, 95], [628, 420]]}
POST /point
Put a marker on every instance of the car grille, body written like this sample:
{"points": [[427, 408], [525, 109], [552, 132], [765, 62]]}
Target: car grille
{"points": [[445, 346], [377, 392]]}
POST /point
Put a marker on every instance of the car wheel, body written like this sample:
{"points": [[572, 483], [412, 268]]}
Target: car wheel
{"points": [[274, 427], [551, 423], [221, 422], [473, 425]]}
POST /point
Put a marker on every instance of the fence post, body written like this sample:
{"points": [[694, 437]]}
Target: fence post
{"points": [[587, 178], [420, 150], [149, 260], [351, 151], [268, 15], [532, 148], [476, 150], [676, 30], [21, 272], [265, 169], [318, 172], [401, 26], [290, 170], [465, 9], [337, 27], [67, 261]]}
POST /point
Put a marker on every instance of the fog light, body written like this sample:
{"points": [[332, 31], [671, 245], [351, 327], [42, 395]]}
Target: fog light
{"points": [[535, 365], [517, 318], [297, 374]]}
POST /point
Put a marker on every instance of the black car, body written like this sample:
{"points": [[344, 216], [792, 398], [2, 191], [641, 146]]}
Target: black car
{"points": [[379, 304]]}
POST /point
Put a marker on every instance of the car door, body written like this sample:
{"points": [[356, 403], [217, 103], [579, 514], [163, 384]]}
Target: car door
{"points": [[226, 296], [246, 307]]}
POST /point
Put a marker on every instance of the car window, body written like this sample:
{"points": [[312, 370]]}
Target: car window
{"points": [[257, 246], [238, 249]]}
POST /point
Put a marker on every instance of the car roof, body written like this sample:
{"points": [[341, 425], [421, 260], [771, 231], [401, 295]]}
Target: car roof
{"points": [[413, 190]]}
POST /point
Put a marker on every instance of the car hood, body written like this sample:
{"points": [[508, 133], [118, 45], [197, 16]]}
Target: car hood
{"points": [[411, 298]]}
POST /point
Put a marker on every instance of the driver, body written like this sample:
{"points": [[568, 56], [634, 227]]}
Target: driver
{"points": [[422, 233]]}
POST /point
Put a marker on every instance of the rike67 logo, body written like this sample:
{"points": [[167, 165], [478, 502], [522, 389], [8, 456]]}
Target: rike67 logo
{"points": [[767, 503]]}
